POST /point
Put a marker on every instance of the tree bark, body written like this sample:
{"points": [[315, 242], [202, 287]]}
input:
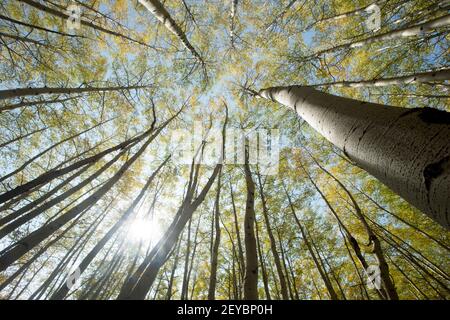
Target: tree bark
{"points": [[34, 103], [64, 16], [251, 255], [55, 173], [215, 251], [406, 149], [438, 75], [126, 216], [26, 163], [405, 32], [261, 262], [140, 283], [328, 285], [238, 235], [23, 92], [160, 13], [273, 246], [4, 144], [187, 252], [36, 237]]}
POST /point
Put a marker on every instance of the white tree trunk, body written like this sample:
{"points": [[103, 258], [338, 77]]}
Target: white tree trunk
{"points": [[22, 92], [405, 32], [158, 10], [438, 75], [406, 149]]}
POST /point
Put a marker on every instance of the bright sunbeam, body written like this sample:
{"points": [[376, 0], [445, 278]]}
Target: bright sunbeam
{"points": [[145, 231]]}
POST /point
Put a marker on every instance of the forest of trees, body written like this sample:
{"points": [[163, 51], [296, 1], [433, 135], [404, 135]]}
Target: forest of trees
{"points": [[95, 204]]}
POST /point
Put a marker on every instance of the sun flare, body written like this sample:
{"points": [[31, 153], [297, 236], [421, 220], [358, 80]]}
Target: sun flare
{"points": [[147, 231]]}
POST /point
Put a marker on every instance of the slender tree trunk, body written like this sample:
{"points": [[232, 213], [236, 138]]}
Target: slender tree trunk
{"points": [[294, 282], [273, 246], [55, 173], [36, 237], [64, 16], [172, 274], [23, 92], [4, 144], [389, 287], [329, 286], [234, 4], [238, 235], [140, 283], [160, 13], [437, 75], [39, 253], [194, 251], [33, 204], [40, 154], [261, 262], [251, 256], [405, 32], [406, 149], [408, 279], [184, 287], [76, 247], [21, 220], [215, 251], [127, 216], [353, 242], [34, 103], [285, 267]]}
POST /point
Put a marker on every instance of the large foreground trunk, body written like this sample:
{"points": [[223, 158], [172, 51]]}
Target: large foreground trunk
{"points": [[406, 149]]}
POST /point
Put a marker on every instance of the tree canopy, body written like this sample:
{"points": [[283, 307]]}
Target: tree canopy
{"points": [[113, 114]]}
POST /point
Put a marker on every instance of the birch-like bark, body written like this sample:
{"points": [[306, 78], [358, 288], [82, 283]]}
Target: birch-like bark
{"points": [[438, 75], [406, 149], [405, 32], [160, 13], [234, 4], [23, 92]]}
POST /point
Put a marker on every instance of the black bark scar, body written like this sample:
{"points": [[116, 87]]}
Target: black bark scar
{"points": [[434, 170], [430, 115]]}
